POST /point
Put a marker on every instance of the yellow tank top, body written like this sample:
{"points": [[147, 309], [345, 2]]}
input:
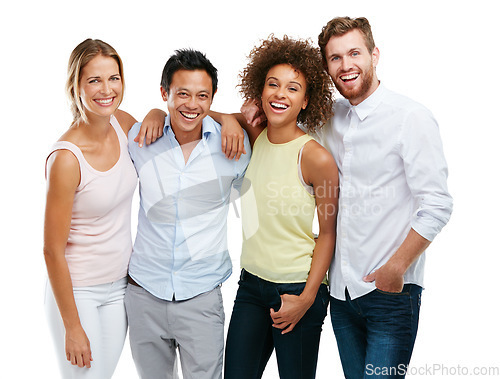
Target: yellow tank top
{"points": [[277, 213]]}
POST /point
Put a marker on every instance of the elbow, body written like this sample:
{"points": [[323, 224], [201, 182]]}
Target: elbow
{"points": [[48, 253], [434, 212], [51, 254]]}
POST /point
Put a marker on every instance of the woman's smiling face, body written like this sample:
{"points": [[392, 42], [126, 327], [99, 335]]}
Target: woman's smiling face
{"points": [[284, 95], [101, 87]]}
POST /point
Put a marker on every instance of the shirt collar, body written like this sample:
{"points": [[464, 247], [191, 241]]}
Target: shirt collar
{"points": [[207, 127], [364, 108]]}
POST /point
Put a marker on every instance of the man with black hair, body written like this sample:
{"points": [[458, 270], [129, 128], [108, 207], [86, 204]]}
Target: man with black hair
{"points": [[180, 256]]}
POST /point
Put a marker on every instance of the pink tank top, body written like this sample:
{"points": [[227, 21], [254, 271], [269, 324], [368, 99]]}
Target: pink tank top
{"points": [[100, 241]]}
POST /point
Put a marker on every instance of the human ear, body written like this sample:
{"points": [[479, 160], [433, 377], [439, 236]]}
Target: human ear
{"points": [[164, 93], [306, 101], [375, 56]]}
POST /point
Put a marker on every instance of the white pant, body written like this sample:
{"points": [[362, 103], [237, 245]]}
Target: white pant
{"points": [[102, 314]]}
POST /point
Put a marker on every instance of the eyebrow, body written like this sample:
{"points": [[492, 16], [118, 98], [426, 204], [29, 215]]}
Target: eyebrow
{"points": [[188, 90], [292, 81], [335, 54], [98, 77]]}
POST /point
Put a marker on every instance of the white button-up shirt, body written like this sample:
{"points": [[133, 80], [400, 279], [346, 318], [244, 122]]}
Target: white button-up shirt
{"points": [[392, 175]]}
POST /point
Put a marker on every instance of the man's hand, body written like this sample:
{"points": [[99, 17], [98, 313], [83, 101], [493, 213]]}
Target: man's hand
{"points": [[151, 127], [253, 113], [232, 137], [292, 309], [388, 278]]}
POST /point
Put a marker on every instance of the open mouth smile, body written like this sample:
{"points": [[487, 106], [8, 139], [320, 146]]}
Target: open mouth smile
{"points": [[189, 115], [105, 102], [349, 78], [279, 106]]}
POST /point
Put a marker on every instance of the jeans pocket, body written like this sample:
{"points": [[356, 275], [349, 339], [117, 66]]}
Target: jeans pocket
{"points": [[221, 303], [280, 289], [324, 295]]}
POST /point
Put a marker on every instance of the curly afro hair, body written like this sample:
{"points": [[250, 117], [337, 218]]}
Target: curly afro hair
{"points": [[302, 56]]}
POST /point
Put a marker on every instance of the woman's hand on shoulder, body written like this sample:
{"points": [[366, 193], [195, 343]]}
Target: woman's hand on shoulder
{"points": [[151, 127]]}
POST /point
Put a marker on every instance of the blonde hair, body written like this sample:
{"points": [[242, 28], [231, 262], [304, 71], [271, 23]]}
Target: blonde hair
{"points": [[80, 56]]}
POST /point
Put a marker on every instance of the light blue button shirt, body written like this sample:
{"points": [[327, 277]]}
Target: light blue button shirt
{"points": [[180, 249]]}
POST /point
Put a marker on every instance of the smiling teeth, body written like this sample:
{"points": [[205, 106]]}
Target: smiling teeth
{"points": [[279, 105], [190, 115], [348, 77], [104, 101]]}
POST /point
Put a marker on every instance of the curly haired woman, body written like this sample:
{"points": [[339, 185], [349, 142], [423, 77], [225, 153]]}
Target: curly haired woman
{"points": [[282, 296]]}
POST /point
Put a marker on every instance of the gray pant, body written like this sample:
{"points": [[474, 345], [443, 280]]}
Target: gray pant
{"points": [[158, 327]]}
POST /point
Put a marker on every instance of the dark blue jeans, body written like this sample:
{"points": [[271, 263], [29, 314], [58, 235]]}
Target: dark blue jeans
{"points": [[376, 332], [251, 337]]}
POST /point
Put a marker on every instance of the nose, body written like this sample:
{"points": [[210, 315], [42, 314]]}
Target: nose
{"points": [[191, 103], [106, 88], [280, 92], [346, 64]]}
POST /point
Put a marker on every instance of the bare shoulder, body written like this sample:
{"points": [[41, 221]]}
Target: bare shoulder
{"points": [[63, 179], [318, 164], [63, 169], [317, 156], [125, 120]]}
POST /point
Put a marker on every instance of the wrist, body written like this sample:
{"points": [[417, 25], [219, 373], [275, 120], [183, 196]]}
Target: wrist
{"points": [[72, 324], [397, 267], [307, 297], [224, 118]]}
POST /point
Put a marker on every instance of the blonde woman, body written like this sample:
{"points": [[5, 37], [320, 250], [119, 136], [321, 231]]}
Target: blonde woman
{"points": [[87, 237]]}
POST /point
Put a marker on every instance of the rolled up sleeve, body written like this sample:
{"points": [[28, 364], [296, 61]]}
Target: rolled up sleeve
{"points": [[426, 172]]}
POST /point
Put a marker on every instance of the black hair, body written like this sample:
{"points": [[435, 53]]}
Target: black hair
{"points": [[187, 59]]}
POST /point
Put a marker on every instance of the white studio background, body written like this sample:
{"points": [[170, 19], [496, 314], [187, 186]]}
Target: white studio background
{"points": [[443, 54]]}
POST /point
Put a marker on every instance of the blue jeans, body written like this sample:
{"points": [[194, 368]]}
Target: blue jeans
{"points": [[251, 337], [376, 332]]}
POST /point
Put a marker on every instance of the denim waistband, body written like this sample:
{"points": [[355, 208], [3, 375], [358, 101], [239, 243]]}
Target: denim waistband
{"points": [[249, 277]]}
